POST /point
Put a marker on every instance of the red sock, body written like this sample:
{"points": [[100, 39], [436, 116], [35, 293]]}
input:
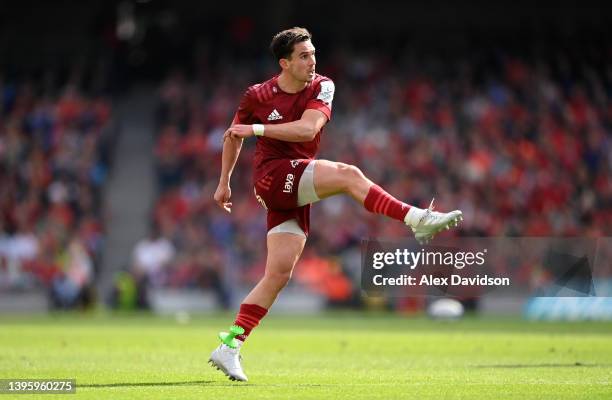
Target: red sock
{"points": [[380, 202], [248, 318]]}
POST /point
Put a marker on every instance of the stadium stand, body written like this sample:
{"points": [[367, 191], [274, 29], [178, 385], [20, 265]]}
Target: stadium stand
{"points": [[55, 150]]}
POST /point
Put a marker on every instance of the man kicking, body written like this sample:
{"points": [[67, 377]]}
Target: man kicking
{"points": [[286, 114]]}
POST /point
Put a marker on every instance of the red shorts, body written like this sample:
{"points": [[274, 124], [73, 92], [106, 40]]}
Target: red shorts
{"points": [[277, 192]]}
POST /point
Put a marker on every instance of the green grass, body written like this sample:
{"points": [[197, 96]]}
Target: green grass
{"points": [[337, 356]]}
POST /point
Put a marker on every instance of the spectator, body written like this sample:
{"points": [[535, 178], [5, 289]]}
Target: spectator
{"points": [[151, 257], [73, 285]]}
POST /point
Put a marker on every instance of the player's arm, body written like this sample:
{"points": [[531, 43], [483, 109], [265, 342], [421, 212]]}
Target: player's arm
{"points": [[231, 151], [302, 130]]}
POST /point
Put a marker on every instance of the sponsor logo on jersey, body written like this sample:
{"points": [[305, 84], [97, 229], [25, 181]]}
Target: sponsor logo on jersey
{"points": [[295, 163], [326, 95], [274, 116], [289, 183]]}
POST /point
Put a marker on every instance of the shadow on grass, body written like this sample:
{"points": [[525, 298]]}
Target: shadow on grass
{"points": [[565, 365], [139, 384], [184, 383]]}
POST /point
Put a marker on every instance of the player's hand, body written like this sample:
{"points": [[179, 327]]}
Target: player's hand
{"points": [[239, 131], [222, 197]]}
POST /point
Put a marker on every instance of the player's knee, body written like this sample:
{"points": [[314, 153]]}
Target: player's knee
{"points": [[279, 279], [350, 174]]}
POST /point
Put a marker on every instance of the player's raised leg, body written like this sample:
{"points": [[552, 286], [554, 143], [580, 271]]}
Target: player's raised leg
{"points": [[284, 250], [331, 178]]}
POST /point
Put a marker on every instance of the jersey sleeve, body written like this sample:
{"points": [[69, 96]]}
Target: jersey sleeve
{"points": [[246, 108], [323, 97]]}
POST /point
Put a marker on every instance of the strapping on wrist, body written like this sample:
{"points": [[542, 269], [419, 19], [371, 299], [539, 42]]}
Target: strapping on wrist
{"points": [[258, 129]]}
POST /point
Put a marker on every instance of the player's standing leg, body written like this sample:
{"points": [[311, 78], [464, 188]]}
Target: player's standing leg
{"points": [[284, 250], [331, 178]]}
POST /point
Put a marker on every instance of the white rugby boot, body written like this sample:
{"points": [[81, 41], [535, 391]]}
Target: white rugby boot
{"points": [[227, 360], [427, 223]]}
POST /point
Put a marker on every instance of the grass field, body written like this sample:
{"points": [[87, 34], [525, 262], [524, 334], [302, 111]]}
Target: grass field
{"points": [[336, 356]]}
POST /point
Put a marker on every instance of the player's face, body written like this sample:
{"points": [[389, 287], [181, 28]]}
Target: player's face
{"points": [[302, 63]]}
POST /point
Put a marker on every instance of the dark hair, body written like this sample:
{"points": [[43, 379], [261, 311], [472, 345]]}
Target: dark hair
{"points": [[283, 42]]}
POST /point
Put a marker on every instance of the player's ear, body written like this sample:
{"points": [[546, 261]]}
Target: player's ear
{"points": [[284, 63]]}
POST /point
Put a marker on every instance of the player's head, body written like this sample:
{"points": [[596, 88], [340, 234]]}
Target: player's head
{"points": [[295, 53]]}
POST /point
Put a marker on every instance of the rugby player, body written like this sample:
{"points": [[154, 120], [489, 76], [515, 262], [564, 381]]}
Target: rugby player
{"points": [[286, 114]]}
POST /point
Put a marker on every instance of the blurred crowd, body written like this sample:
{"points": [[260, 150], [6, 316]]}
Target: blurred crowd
{"points": [[521, 145], [54, 157]]}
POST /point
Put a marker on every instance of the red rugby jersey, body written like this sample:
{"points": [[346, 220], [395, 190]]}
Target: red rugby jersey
{"points": [[266, 103]]}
